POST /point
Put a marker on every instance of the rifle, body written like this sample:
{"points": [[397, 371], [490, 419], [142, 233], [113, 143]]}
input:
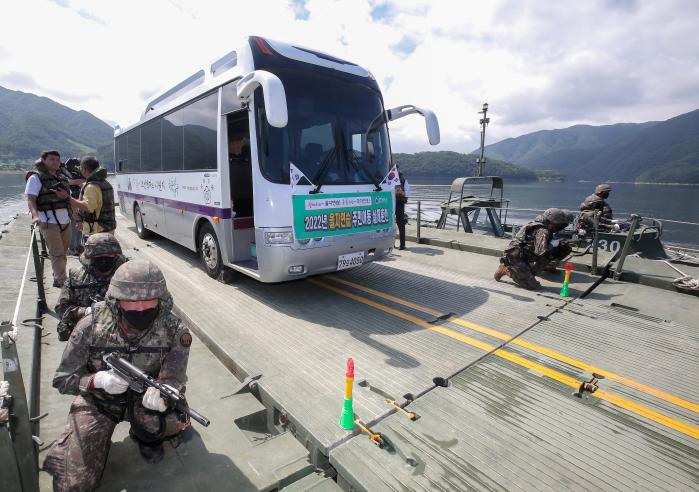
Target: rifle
{"points": [[139, 381], [605, 274]]}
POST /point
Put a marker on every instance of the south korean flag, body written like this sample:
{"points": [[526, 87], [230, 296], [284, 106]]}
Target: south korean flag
{"points": [[392, 179], [295, 175]]}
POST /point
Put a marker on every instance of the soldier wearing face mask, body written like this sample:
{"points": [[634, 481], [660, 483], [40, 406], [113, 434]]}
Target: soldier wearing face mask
{"points": [[101, 258], [136, 320], [535, 249]]}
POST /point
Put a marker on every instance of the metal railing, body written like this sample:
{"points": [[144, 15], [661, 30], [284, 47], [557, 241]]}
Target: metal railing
{"points": [[19, 443], [435, 195], [618, 259]]}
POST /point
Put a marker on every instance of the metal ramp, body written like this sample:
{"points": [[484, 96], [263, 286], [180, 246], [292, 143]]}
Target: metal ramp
{"points": [[503, 425], [469, 196]]}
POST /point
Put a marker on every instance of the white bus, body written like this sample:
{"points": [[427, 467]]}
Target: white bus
{"points": [[208, 164]]}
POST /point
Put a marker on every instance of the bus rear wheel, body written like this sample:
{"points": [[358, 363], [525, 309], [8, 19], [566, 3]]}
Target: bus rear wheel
{"points": [[141, 230], [209, 251]]}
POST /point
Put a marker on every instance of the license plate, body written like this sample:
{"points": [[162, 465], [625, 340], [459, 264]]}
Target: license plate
{"points": [[350, 260]]}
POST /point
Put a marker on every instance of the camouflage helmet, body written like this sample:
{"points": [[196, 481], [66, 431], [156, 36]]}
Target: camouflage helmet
{"points": [[557, 216], [138, 280], [601, 188], [102, 243]]}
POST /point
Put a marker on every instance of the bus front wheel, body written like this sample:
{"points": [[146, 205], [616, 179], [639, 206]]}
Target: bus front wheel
{"points": [[141, 230], [209, 251]]}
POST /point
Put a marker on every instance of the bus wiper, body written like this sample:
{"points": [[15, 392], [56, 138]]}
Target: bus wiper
{"points": [[360, 165], [324, 168]]}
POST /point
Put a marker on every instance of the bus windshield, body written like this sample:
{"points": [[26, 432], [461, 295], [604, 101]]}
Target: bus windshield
{"points": [[336, 132]]}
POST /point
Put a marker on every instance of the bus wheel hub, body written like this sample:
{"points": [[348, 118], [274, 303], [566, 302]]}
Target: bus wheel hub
{"points": [[209, 250]]}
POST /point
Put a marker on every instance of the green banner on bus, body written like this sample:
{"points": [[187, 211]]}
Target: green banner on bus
{"points": [[341, 213]]}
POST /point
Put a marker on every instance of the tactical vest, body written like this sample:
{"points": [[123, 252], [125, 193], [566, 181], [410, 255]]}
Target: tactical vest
{"points": [[85, 288], [523, 243], [106, 219], [146, 352], [47, 198]]}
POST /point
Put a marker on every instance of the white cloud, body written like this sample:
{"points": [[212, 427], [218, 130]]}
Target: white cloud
{"points": [[538, 64]]}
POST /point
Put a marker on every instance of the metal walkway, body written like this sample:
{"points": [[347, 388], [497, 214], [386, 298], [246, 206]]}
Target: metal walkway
{"points": [[509, 418], [298, 335], [510, 423]]}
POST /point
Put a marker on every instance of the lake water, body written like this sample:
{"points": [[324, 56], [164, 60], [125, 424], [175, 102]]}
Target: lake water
{"points": [[679, 203], [670, 202], [11, 196]]}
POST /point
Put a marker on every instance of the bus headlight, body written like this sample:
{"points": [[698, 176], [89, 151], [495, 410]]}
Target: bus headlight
{"points": [[279, 237]]}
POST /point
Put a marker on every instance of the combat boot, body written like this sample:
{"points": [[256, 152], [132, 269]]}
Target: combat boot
{"points": [[151, 453], [501, 272]]}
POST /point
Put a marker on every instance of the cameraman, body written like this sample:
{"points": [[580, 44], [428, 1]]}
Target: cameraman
{"points": [[95, 207], [48, 201], [71, 169]]}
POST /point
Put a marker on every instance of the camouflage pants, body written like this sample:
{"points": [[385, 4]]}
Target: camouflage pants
{"points": [[77, 458], [523, 272]]}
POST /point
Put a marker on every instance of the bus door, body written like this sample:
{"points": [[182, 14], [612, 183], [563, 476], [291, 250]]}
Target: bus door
{"points": [[240, 175]]}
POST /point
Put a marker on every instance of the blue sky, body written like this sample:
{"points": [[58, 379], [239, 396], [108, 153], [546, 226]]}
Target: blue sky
{"points": [[539, 65]]}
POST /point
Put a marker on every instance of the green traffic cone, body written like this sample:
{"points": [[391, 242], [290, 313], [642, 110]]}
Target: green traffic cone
{"points": [[347, 416], [564, 290]]}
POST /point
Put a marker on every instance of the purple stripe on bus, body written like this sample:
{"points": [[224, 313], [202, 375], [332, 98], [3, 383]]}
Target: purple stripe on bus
{"points": [[223, 213]]}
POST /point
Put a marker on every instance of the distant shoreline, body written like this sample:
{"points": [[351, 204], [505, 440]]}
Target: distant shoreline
{"points": [[448, 180], [419, 176]]}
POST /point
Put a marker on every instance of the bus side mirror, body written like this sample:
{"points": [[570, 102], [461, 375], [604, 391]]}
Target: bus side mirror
{"points": [[431, 123], [272, 91]]}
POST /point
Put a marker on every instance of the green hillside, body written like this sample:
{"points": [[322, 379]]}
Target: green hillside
{"points": [[450, 165], [666, 151], [30, 124], [544, 148]]}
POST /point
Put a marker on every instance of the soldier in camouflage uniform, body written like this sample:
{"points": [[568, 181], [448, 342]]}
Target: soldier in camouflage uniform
{"points": [[101, 258], [535, 250], [135, 320], [594, 203]]}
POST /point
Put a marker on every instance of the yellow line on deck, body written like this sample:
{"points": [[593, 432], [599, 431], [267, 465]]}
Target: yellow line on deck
{"points": [[629, 405], [658, 393]]}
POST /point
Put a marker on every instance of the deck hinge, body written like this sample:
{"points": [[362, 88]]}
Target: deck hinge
{"points": [[589, 386]]}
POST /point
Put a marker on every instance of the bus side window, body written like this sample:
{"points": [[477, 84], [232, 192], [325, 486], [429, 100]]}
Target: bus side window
{"points": [[120, 152]]}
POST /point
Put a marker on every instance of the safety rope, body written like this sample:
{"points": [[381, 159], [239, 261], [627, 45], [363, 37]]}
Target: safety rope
{"points": [[12, 335]]}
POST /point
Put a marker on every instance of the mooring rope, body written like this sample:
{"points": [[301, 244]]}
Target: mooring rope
{"points": [[14, 333]]}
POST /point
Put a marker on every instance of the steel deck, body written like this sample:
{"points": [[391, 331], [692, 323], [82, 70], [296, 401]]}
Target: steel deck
{"points": [[503, 425], [298, 335], [508, 419]]}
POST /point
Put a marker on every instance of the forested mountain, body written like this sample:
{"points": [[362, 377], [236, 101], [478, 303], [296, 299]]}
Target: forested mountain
{"points": [[30, 124], [539, 149], [449, 165], [666, 151]]}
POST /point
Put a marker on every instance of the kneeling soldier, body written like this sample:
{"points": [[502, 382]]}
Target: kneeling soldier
{"points": [[101, 258], [135, 320], [534, 249]]}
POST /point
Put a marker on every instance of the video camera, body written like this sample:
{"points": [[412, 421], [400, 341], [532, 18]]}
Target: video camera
{"points": [[72, 167]]}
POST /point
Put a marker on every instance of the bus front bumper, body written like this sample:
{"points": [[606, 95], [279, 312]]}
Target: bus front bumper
{"points": [[283, 262]]}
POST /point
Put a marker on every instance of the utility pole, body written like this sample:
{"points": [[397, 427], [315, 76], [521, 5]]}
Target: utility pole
{"points": [[480, 161]]}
